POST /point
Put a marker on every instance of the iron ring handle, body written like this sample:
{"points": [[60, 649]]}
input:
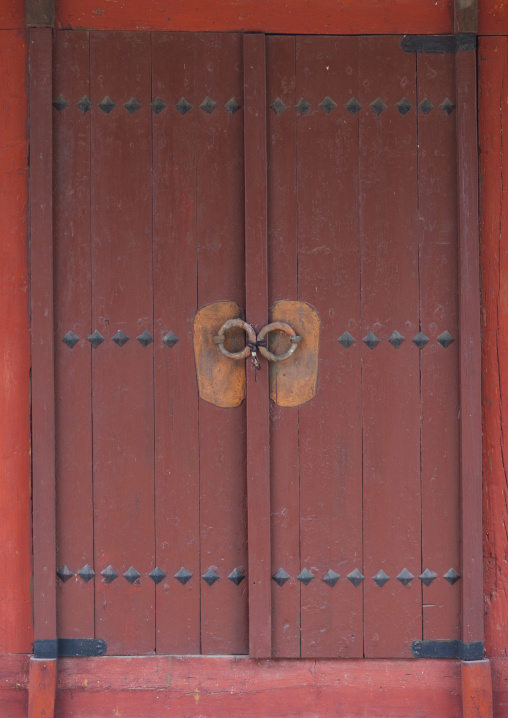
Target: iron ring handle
{"points": [[283, 327], [231, 324]]}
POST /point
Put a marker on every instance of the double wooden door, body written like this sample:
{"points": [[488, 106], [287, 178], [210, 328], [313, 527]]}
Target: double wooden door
{"points": [[153, 547]]}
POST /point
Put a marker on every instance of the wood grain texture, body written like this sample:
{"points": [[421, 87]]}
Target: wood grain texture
{"points": [[477, 689], [41, 688], [15, 609]]}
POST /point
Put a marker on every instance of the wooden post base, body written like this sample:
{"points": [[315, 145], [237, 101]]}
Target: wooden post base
{"points": [[476, 689], [41, 688]]}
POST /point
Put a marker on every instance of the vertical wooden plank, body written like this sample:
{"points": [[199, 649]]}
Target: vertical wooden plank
{"points": [[282, 284], [438, 247], [220, 257], [73, 405], [122, 376], [469, 349], [390, 375], [43, 399], [175, 304], [256, 301], [329, 278]]}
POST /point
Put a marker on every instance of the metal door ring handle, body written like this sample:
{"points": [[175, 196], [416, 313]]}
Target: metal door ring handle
{"points": [[233, 324], [282, 327]]}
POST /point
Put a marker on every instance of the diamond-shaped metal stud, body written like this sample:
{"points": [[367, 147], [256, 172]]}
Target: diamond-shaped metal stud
{"points": [[403, 106], [120, 338], [84, 104], [107, 105], [420, 340], [445, 339], [426, 106], [70, 339], [395, 339], [236, 576], [232, 106], [157, 105], [170, 339], [145, 338], [405, 577], [280, 577], [371, 340], [86, 573], [64, 573], [346, 340], [109, 574], [183, 106], [378, 106], [157, 575], [447, 106], [95, 339], [355, 577], [427, 576], [208, 105], [353, 106], [132, 106], [331, 577], [210, 576], [183, 576], [131, 575], [327, 105], [452, 576], [60, 103], [381, 578], [302, 106], [305, 576], [278, 106]]}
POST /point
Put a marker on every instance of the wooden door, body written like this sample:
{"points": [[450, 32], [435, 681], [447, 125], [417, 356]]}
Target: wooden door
{"points": [[153, 548]]}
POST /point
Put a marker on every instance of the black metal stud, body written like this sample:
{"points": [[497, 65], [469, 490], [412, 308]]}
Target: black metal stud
{"points": [[405, 577], [371, 340], [86, 573], [445, 339], [327, 105], [120, 338], [70, 339], [60, 103], [346, 340], [107, 105], [305, 576], [278, 106], [183, 106], [157, 575], [132, 106], [208, 105], [232, 106], [95, 339], [210, 576], [427, 576], [170, 339], [109, 574], [395, 339], [353, 106], [84, 104], [403, 106], [378, 106], [420, 340], [381, 578], [355, 577], [447, 106], [426, 106], [64, 573], [280, 577], [131, 575], [183, 576], [236, 576], [331, 577], [302, 106], [157, 105], [452, 576], [145, 338]]}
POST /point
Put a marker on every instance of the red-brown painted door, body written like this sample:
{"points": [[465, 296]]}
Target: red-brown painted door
{"points": [[149, 227]]}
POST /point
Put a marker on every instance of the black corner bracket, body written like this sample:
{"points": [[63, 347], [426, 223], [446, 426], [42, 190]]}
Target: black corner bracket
{"points": [[70, 648], [461, 650], [435, 44]]}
